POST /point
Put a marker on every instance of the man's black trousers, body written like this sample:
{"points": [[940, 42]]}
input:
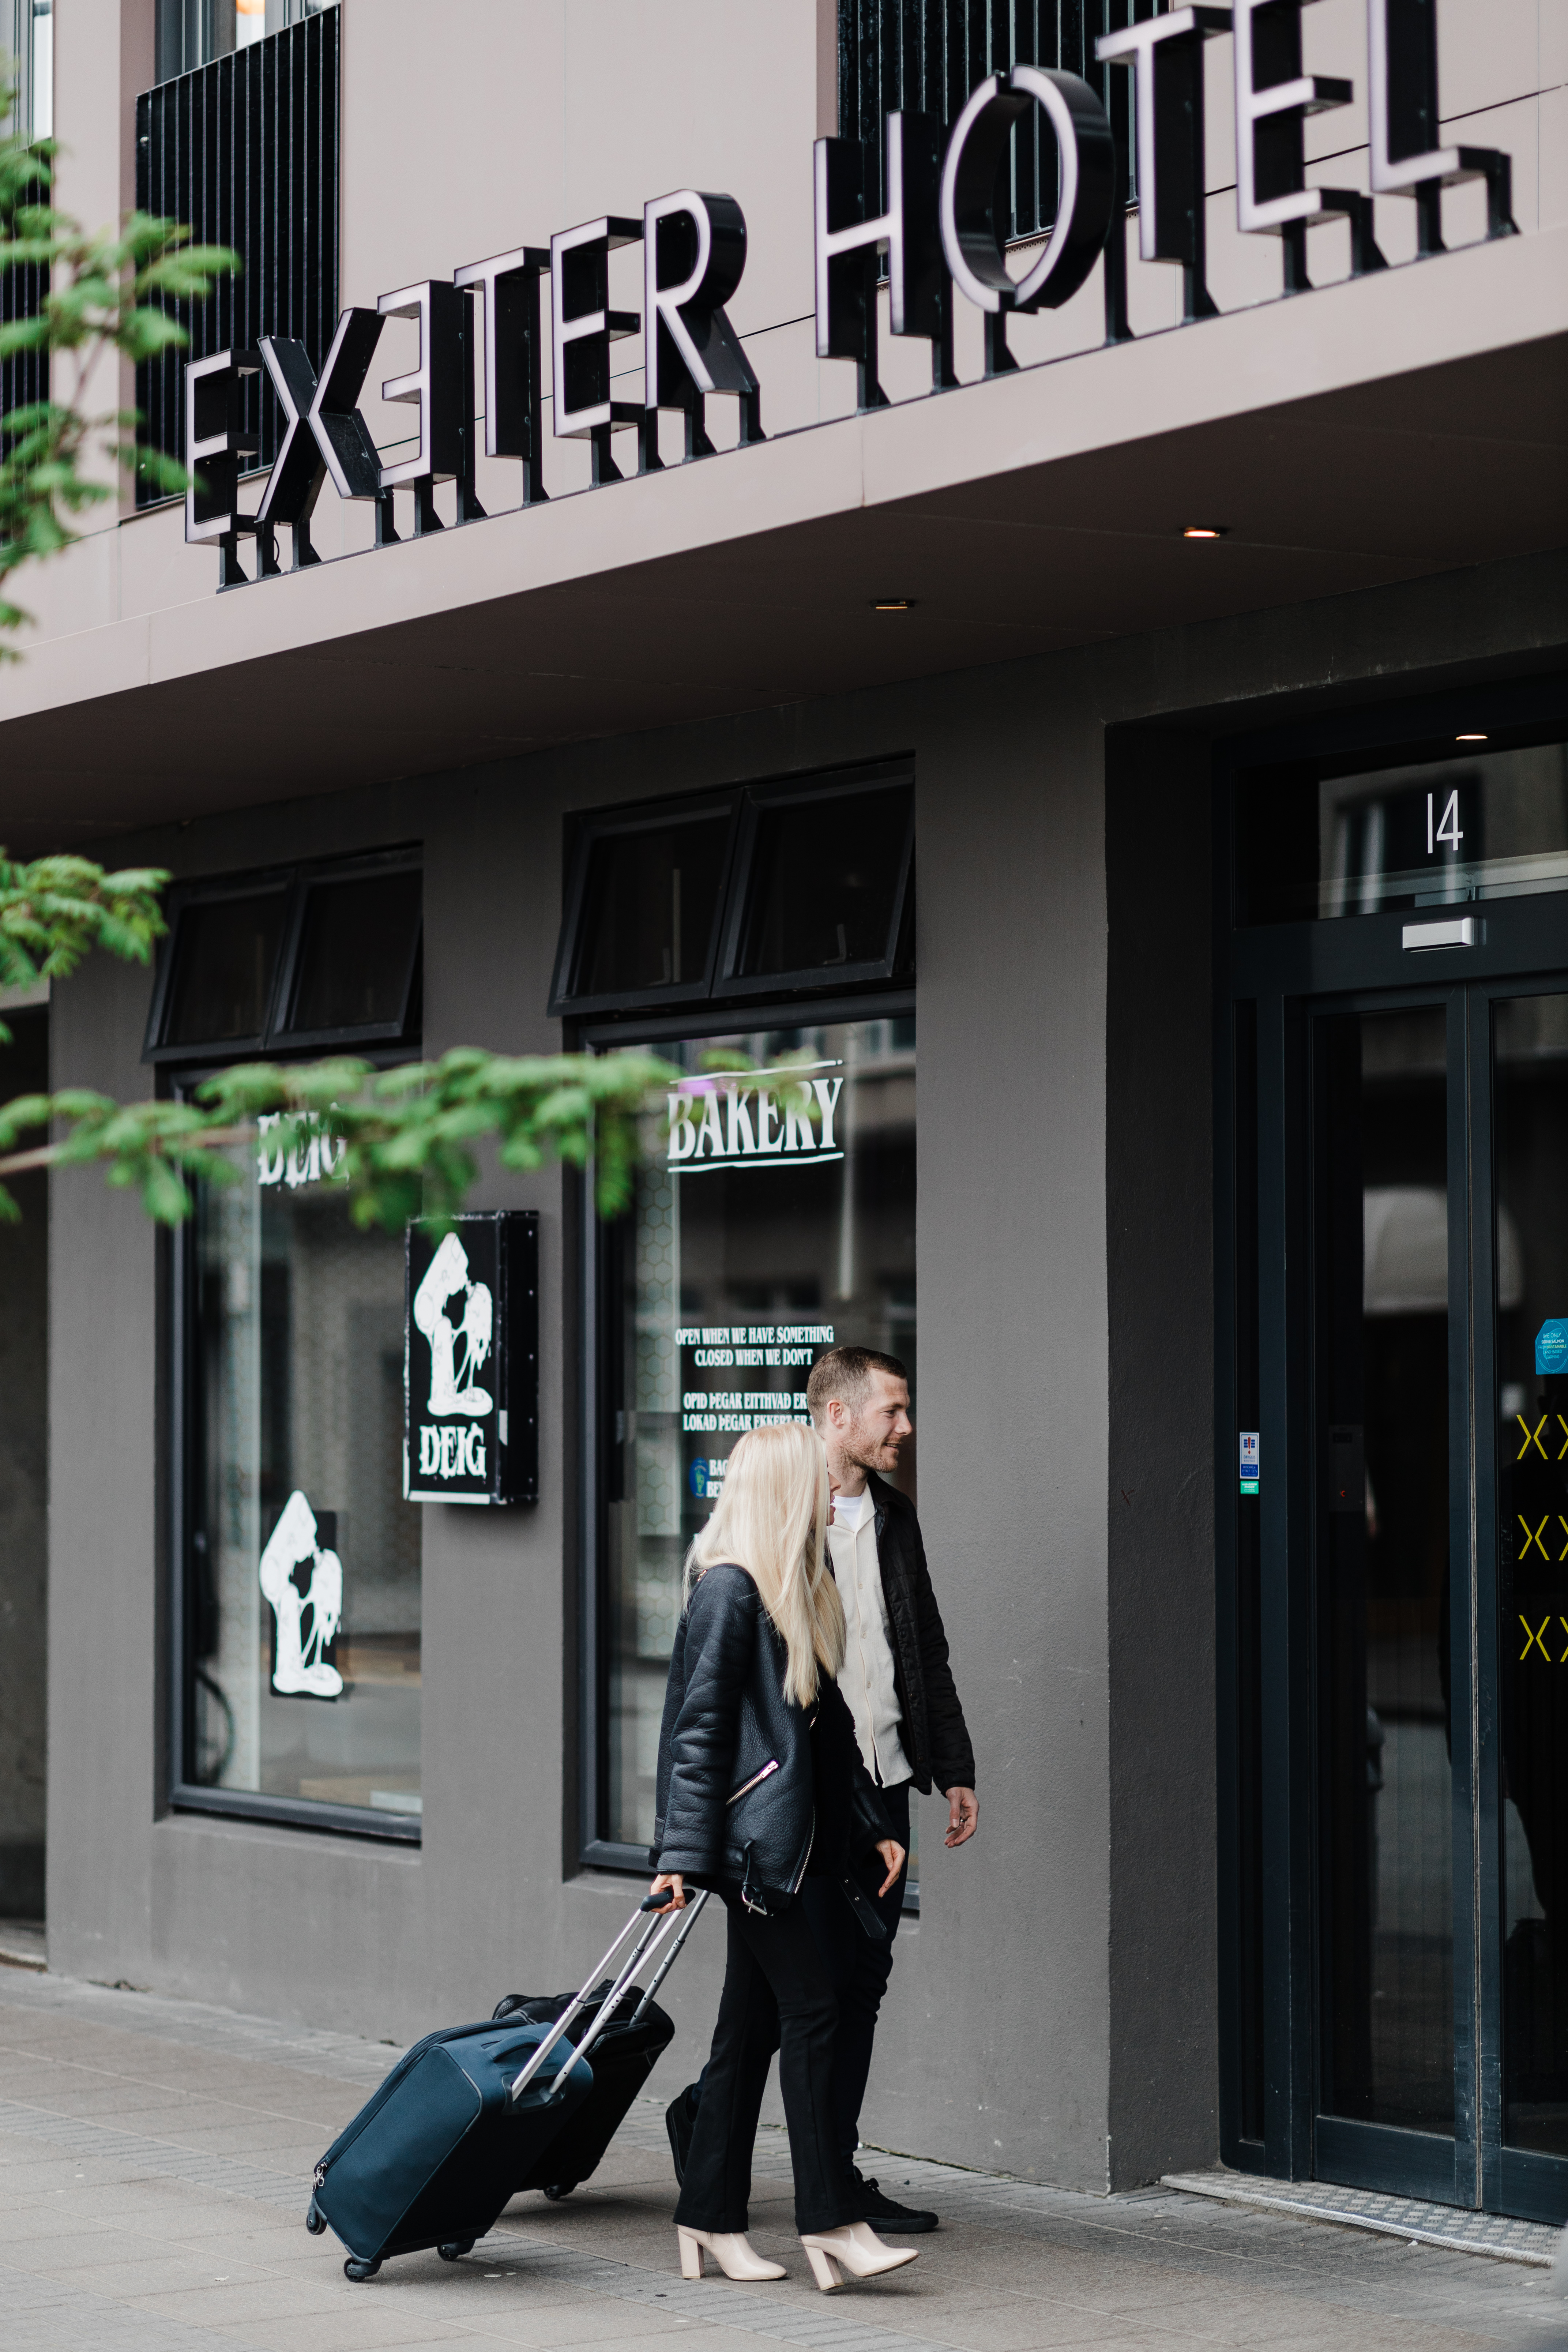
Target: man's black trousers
{"points": [[857, 1969]]}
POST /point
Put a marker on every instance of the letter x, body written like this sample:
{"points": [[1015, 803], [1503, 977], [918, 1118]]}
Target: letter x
{"points": [[1532, 1437], [1533, 1641], [1533, 1539], [324, 432]]}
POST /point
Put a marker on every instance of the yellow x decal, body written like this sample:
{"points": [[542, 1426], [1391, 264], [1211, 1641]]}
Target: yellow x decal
{"points": [[1532, 1437], [1563, 1661], [1534, 1537], [1533, 1641], [1563, 1426], [1563, 1523]]}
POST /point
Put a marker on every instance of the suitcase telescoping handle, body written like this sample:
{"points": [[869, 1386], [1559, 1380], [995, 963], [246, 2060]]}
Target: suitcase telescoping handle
{"points": [[648, 1941], [694, 1912]]}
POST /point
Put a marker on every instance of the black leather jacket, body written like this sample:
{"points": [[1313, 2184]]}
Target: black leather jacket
{"points": [[747, 1789], [933, 1734]]}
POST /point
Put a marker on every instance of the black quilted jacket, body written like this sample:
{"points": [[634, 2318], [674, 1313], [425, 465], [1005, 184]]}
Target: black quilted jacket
{"points": [[933, 1734], [746, 1790]]}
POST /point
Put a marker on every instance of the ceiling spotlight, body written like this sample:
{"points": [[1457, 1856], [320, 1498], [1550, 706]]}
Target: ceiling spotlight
{"points": [[893, 603], [1471, 739], [1206, 531]]}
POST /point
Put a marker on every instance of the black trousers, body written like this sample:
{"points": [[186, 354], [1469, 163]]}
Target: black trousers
{"points": [[857, 1970], [777, 1997]]}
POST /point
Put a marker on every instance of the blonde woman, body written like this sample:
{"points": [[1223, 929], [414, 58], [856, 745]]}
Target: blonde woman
{"points": [[760, 1781]]}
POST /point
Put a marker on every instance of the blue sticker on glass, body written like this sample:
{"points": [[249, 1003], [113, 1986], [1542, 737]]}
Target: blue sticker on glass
{"points": [[697, 1478], [1551, 1346]]}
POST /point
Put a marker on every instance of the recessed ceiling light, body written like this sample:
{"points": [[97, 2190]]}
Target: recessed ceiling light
{"points": [[1471, 739], [1206, 531], [893, 603]]}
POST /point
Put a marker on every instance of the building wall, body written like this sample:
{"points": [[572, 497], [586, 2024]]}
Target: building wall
{"points": [[24, 1495], [562, 110], [1053, 2012]]}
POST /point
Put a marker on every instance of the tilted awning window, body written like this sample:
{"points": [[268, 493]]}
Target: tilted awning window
{"points": [[301, 957], [797, 887]]}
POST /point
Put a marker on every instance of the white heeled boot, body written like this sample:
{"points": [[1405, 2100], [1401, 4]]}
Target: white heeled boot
{"points": [[856, 2248], [729, 2249]]}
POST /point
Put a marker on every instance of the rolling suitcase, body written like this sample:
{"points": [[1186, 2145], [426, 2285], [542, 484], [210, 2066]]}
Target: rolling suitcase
{"points": [[628, 2047], [434, 2157]]}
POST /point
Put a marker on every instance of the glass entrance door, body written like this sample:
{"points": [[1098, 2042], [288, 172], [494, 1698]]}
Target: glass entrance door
{"points": [[1529, 1052], [1382, 1349], [1393, 1553]]}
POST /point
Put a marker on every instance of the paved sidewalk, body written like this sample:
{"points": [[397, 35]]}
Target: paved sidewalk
{"points": [[154, 2167]]}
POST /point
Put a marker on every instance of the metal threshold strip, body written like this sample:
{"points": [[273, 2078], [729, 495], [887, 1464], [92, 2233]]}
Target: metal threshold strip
{"points": [[1452, 2227]]}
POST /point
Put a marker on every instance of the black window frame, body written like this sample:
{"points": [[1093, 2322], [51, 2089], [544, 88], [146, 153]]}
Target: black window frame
{"points": [[598, 1440], [719, 983], [185, 1795], [294, 884]]}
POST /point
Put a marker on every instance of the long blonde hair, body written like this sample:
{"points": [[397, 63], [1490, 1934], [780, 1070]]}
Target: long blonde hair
{"points": [[771, 1519]]}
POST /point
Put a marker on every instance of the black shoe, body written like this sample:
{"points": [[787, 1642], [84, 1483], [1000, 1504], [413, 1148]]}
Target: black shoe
{"points": [[680, 2122], [883, 2212]]}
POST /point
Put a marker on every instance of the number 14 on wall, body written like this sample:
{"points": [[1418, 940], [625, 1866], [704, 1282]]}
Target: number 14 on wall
{"points": [[1447, 833]]}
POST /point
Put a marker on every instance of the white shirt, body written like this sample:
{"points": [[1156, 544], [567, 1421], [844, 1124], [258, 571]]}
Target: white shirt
{"points": [[867, 1681]]}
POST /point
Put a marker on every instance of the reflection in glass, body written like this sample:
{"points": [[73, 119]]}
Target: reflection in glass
{"points": [[1381, 1347], [651, 904], [224, 951], [1530, 1043], [774, 1218], [356, 952], [1477, 823], [825, 877], [303, 1627]]}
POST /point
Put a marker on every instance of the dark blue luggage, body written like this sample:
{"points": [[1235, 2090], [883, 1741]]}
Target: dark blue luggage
{"points": [[462, 2120]]}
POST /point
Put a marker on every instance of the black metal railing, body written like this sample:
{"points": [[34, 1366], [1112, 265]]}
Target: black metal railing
{"points": [[25, 377], [928, 55], [245, 151]]}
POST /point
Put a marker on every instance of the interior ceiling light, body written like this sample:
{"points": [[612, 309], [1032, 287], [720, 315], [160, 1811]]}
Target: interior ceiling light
{"points": [[1206, 531], [1471, 739], [893, 603]]}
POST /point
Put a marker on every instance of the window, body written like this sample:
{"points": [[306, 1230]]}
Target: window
{"points": [[302, 1683], [299, 1634], [803, 887], [305, 957], [777, 1219], [191, 33], [29, 39], [1478, 812]]}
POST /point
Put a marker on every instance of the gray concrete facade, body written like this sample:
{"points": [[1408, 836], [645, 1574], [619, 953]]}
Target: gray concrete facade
{"points": [[1053, 2013]]}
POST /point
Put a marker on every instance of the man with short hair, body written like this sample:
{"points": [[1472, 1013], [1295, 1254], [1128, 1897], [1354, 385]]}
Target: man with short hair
{"points": [[908, 1719]]}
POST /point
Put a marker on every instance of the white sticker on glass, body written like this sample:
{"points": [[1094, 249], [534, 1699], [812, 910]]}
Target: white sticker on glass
{"points": [[301, 1668]]}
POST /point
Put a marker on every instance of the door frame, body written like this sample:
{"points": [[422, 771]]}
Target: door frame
{"points": [[1287, 975]]}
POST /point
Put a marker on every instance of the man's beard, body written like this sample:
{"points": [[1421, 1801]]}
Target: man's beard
{"points": [[867, 1456]]}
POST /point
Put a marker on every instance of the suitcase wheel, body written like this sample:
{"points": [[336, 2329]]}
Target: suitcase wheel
{"points": [[559, 2188], [354, 2268], [455, 2250], [315, 2219]]}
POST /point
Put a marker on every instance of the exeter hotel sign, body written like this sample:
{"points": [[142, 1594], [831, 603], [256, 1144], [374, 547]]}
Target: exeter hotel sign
{"points": [[542, 313]]}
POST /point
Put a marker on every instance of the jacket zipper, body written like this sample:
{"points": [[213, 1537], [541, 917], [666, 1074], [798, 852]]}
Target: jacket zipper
{"points": [[769, 1768], [806, 1857]]}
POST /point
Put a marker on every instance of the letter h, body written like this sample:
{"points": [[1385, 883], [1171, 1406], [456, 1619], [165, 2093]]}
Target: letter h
{"points": [[849, 242]]}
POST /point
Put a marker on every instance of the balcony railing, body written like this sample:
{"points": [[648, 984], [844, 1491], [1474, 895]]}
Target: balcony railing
{"points": [[245, 151], [928, 55]]}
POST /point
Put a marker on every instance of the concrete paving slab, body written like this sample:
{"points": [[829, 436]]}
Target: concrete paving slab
{"points": [[154, 2161]]}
